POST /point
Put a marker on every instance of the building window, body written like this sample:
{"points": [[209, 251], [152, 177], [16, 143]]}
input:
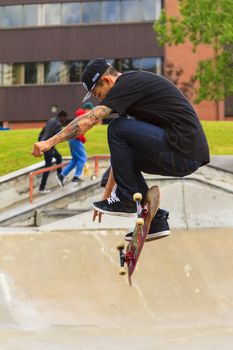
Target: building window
{"points": [[30, 73], [7, 74], [52, 14], [17, 74], [12, 16], [77, 12], [71, 13], [1, 74], [1, 16], [131, 11], [31, 15], [59, 72], [74, 71], [54, 72], [63, 73], [128, 64], [111, 11], [151, 10], [91, 12], [229, 106], [151, 64]]}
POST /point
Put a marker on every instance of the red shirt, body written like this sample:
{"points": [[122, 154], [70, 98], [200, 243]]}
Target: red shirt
{"points": [[78, 113]]}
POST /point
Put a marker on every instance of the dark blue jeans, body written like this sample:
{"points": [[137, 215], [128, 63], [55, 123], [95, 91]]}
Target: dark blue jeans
{"points": [[137, 146], [48, 156]]}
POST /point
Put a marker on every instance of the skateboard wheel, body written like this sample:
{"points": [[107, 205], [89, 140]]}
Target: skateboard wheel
{"points": [[140, 221], [120, 246], [137, 197], [93, 177], [122, 271]]}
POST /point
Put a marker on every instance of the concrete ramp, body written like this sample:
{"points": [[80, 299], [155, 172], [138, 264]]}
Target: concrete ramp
{"points": [[62, 290]]}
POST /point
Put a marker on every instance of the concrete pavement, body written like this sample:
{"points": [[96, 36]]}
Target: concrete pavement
{"points": [[61, 290]]}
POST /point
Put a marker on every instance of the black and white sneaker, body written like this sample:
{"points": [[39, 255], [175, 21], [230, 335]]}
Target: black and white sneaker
{"points": [[44, 190], [77, 180], [60, 179], [159, 227], [114, 206]]}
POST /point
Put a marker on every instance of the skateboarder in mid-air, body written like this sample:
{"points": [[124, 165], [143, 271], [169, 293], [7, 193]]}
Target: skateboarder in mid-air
{"points": [[157, 132]]}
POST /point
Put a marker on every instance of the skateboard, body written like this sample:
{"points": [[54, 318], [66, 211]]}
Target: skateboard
{"points": [[145, 214]]}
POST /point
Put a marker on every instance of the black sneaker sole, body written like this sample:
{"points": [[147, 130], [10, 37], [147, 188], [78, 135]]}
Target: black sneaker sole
{"points": [[153, 236], [114, 213]]}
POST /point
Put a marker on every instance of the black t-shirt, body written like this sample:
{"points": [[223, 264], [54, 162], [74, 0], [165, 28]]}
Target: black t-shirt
{"points": [[154, 99]]}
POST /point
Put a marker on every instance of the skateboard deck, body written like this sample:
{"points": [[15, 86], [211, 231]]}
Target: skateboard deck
{"points": [[145, 214]]}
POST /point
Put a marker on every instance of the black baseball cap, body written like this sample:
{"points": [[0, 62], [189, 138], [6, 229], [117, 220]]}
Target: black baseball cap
{"points": [[92, 73]]}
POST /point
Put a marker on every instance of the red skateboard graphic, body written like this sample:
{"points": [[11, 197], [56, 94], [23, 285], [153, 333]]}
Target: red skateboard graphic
{"points": [[145, 213]]}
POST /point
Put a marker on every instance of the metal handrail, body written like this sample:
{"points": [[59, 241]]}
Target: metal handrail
{"points": [[32, 174]]}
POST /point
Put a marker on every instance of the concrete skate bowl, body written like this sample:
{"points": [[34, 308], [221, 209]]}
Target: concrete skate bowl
{"points": [[62, 290]]}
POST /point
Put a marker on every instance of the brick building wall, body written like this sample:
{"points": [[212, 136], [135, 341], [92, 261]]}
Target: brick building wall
{"points": [[181, 56]]}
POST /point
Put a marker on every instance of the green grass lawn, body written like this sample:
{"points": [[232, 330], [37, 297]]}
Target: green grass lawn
{"points": [[16, 145], [220, 137]]}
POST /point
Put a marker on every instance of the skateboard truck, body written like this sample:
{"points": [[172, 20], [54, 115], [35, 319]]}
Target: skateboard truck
{"points": [[120, 248], [124, 258]]}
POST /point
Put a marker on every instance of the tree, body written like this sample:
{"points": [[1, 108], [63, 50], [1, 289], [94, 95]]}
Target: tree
{"points": [[208, 22], [174, 74]]}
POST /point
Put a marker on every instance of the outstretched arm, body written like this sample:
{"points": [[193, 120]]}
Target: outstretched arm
{"points": [[77, 127]]}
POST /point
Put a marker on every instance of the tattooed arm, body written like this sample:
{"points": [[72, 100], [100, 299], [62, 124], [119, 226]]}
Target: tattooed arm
{"points": [[77, 127]]}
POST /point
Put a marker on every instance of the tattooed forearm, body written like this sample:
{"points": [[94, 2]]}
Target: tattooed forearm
{"points": [[80, 125], [68, 133], [96, 114]]}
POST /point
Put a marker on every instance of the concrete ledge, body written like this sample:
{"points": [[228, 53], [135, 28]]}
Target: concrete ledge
{"points": [[24, 214], [14, 187], [192, 203], [203, 199]]}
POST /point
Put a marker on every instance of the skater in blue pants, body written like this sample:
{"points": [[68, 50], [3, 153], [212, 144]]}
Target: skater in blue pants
{"points": [[78, 152]]}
